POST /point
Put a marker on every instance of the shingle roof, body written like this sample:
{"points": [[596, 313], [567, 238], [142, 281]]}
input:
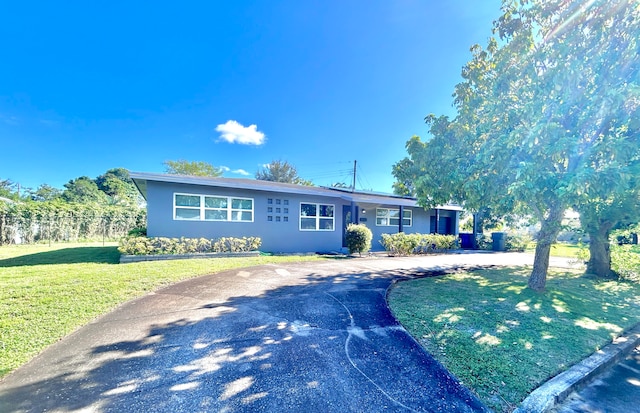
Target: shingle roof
{"points": [[141, 178]]}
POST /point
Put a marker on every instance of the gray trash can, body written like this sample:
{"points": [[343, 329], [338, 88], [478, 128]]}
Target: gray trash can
{"points": [[499, 241]]}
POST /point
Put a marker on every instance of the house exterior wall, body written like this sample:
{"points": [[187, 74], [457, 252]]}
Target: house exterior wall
{"points": [[421, 222], [277, 235], [280, 233]]}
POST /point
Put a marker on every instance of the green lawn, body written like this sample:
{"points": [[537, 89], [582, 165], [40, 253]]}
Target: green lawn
{"points": [[503, 340], [48, 292], [560, 249]]}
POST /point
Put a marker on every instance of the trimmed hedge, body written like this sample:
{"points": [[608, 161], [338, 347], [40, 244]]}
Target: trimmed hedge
{"points": [[358, 238], [406, 244], [161, 245]]}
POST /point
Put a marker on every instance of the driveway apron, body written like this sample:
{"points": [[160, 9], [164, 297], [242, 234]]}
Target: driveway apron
{"points": [[313, 337]]}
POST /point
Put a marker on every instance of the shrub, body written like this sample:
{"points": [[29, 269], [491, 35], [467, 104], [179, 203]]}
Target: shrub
{"points": [[162, 245], [137, 232], [406, 244], [358, 238], [625, 261], [517, 242]]}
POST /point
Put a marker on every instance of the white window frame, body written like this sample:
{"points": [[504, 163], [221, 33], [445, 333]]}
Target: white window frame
{"points": [[387, 217], [202, 208], [317, 217]]}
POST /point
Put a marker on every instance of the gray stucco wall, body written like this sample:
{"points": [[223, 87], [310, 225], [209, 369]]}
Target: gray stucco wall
{"points": [[280, 234], [421, 222], [277, 235]]}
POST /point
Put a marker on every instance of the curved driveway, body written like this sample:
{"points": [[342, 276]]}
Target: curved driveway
{"points": [[313, 337]]}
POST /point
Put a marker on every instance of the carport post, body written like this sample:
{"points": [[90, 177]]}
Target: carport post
{"points": [[354, 213], [435, 230]]}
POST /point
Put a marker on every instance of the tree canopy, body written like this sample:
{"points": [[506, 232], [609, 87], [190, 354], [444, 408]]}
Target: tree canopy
{"points": [[117, 184], [83, 190], [547, 117], [281, 171], [194, 168]]}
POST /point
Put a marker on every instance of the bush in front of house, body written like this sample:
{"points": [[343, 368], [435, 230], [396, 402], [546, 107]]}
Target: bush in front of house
{"points": [[170, 246], [137, 232], [407, 244], [512, 242], [358, 238], [517, 242]]}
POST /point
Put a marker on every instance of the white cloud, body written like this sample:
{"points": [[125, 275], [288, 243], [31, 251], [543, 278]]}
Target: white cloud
{"points": [[235, 171], [234, 132]]}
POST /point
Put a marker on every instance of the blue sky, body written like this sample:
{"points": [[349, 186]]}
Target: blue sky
{"points": [[89, 86]]}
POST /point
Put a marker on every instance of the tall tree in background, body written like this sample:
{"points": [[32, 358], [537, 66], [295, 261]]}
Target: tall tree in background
{"points": [[83, 190], [194, 168], [543, 117], [281, 171], [45, 193], [8, 189], [117, 184]]}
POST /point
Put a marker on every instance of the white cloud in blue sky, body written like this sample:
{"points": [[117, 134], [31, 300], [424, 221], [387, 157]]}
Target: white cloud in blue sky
{"points": [[235, 171], [234, 132]]}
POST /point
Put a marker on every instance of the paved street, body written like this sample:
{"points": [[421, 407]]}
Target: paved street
{"points": [[615, 391]]}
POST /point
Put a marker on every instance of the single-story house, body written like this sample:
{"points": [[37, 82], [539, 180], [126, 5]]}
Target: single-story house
{"points": [[287, 217]]}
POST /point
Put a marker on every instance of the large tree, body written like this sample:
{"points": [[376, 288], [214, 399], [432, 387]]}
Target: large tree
{"points": [[8, 189], [541, 113], [44, 193], [117, 184], [281, 171], [83, 190], [194, 168]]}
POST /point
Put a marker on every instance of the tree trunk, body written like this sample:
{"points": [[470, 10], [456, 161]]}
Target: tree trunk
{"points": [[550, 227], [538, 277], [600, 252]]}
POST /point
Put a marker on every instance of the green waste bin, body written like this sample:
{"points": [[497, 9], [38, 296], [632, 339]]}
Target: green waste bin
{"points": [[499, 241]]}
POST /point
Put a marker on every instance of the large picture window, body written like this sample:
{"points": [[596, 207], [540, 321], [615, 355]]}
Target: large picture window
{"points": [[386, 217], [317, 217], [212, 208]]}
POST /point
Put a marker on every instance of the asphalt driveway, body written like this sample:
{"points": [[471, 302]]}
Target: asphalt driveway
{"points": [[313, 337]]}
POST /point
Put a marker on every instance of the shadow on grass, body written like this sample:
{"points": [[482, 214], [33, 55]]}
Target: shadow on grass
{"points": [[79, 255]]}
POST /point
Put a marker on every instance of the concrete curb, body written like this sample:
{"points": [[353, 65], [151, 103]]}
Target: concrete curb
{"points": [[556, 390], [161, 257]]}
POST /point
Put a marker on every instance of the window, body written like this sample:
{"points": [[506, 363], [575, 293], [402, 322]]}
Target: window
{"points": [[317, 217], [386, 217], [212, 208], [187, 207]]}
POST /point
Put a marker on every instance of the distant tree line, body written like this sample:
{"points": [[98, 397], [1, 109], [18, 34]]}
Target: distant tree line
{"points": [[105, 207]]}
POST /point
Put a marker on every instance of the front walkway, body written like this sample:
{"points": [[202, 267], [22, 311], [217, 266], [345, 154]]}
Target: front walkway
{"points": [[314, 337]]}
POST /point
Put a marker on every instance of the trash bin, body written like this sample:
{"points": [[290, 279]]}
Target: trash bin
{"points": [[466, 241], [499, 241]]}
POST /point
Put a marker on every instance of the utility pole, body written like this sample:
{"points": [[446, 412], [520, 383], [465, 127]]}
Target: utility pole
{"points": [[353, 187]]}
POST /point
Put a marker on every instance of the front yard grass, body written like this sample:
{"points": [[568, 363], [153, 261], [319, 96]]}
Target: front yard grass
{"points": [[503, 340], [48, 292], [561, 249]]}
